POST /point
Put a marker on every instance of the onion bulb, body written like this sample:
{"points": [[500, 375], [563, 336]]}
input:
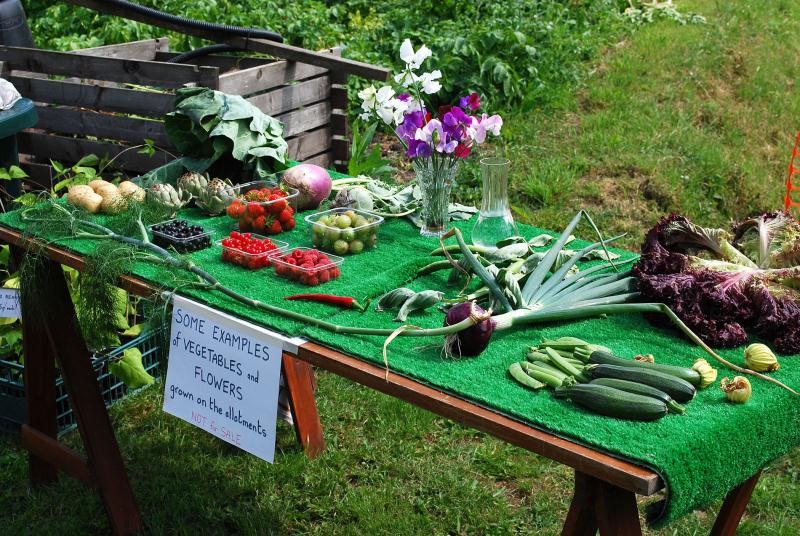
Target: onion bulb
{"points": [[474, 339], [313, 183]]}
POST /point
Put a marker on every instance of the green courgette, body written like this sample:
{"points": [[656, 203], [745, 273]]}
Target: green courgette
{"points": [[641, 389], [680, 390], [614, 402], [684, 373]]}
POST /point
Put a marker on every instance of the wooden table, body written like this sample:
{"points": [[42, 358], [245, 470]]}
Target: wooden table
{"points": [[605, 486]]}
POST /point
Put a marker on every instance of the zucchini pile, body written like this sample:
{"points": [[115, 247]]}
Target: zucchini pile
{"points": [[593, 377]]}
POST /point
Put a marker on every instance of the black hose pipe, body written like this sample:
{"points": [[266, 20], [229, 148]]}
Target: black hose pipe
{"points": [[183, 57], [199, 24]]}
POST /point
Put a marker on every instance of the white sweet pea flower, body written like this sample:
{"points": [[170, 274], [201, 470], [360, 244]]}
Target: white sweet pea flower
{"points": [[384, 94], [368, 96], [410, 57], [429, 81], [405, 78]]}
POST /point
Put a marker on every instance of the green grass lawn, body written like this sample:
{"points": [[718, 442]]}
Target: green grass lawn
{"points": [[697, 119]]}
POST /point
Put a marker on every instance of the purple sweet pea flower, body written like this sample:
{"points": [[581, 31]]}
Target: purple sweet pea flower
{"points": [[408, 128], [471, 101], [418, 149], [405, 97], [434, 134], [456, 122]]}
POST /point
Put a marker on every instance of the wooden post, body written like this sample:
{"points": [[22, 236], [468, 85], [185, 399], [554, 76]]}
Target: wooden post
{"points": [[40, 378], [299, 378], [733, 508], [57, 329], [599, 505]]}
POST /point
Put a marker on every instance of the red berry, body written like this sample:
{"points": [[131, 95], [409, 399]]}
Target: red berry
{"points": [[289, 225], [259, 224], [275, 227]]}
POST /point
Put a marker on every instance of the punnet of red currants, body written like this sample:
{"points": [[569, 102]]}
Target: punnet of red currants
{"points": [[248, 250]]}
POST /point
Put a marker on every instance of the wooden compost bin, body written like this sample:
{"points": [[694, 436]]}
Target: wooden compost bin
{"points": [[104, 100]]}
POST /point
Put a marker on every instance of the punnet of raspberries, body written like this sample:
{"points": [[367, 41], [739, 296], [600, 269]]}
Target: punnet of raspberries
{"points": [[248, 250], [263, 211], [307, 266]]}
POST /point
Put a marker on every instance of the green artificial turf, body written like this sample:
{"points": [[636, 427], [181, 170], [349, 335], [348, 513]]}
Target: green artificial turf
{"points": [[700, 456]]}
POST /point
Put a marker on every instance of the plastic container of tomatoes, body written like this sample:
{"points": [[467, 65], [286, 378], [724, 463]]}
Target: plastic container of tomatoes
{"points": [[344, 231], [250, 250], [307, 266], [263, 207]]}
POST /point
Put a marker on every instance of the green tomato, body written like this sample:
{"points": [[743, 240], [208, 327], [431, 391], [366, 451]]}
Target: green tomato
{"points": [[348, 234], [360, 221], [324, 220], [340, 247], [332, 234], [342, 222], [317, 240], [365, 233], [319, 229], [356, 246]]}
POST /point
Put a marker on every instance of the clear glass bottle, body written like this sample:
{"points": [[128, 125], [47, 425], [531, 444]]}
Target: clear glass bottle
{"points": [[495, 221]]}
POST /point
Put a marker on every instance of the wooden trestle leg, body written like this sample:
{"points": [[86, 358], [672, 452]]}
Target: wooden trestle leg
{"points": [[600, 505], [733, 508], [51, 330], [299, 378]]}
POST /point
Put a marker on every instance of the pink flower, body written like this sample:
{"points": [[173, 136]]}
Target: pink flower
{"points": [[471, 101], [477, 131]]}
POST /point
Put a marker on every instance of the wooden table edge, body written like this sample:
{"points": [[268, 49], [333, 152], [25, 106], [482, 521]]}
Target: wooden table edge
{"points": [[613, 470]]}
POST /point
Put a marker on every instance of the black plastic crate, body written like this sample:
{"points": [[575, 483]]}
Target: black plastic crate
{"points": [[13, 411]]}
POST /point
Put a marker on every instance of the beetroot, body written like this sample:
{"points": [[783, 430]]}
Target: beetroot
{"points": [[472, 340]]}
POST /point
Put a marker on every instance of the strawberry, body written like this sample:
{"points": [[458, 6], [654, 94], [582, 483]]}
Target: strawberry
{"points": [[289, 225], [245, 224], [259, 224], [275, 227], [285, 215], [277, 204], [255, 209]]}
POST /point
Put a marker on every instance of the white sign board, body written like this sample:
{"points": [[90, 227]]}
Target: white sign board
{"points": [[223, 377], [9, 303]]}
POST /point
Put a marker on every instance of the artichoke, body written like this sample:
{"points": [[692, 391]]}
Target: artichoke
{"points": [[193, 183], [170, 198], [216, 197]]}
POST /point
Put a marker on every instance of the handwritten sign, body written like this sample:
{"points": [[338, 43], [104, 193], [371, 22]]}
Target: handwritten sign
{"points": [[9, 303], [223, 377]]}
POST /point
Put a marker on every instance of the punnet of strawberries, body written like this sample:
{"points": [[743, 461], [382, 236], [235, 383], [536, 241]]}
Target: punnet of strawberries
{"points": [[248, 250], [307, 266], [264, 211]]}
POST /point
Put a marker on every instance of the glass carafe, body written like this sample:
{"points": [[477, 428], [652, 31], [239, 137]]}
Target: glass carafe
{"points": [[495, 221]]}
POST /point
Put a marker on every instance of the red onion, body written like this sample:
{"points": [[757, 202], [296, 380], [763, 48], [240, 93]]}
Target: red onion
{"points": [[312, 181], [473, 340]]}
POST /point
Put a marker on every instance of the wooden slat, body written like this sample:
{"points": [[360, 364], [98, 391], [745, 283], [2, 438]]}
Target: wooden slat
{"points": [[293, 96], [101, 125], [264, 77], [116, 70], [225, 63], [734, 506], [323, 160], [340, 151], [597, 464], [309, 144], [306, 119], [64, 458], [134, 50], [127, 101], [40, 176], [51, 146], [339, 123], [289, 52], [299, 378]]}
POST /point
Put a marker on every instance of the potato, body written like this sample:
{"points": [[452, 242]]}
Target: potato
{"points": [[107, 190], [113, 203], [91, 202], [129, 189], [95, 184], [79, 189]]}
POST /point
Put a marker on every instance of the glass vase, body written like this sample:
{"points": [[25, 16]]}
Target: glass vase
{"points": [[435, 179], [495, 221]]}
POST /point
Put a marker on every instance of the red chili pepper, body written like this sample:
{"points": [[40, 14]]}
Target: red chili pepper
{"points": [[345, 302]]}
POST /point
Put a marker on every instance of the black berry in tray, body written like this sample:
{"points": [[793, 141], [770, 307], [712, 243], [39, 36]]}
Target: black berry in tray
{"points": [[180, 235]]}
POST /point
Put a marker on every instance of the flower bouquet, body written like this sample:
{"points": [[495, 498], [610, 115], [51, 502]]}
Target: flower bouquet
{"points": [[435, 143]]}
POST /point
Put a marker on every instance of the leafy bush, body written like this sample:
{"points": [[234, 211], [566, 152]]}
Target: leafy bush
{"points": [[514, 52]]}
